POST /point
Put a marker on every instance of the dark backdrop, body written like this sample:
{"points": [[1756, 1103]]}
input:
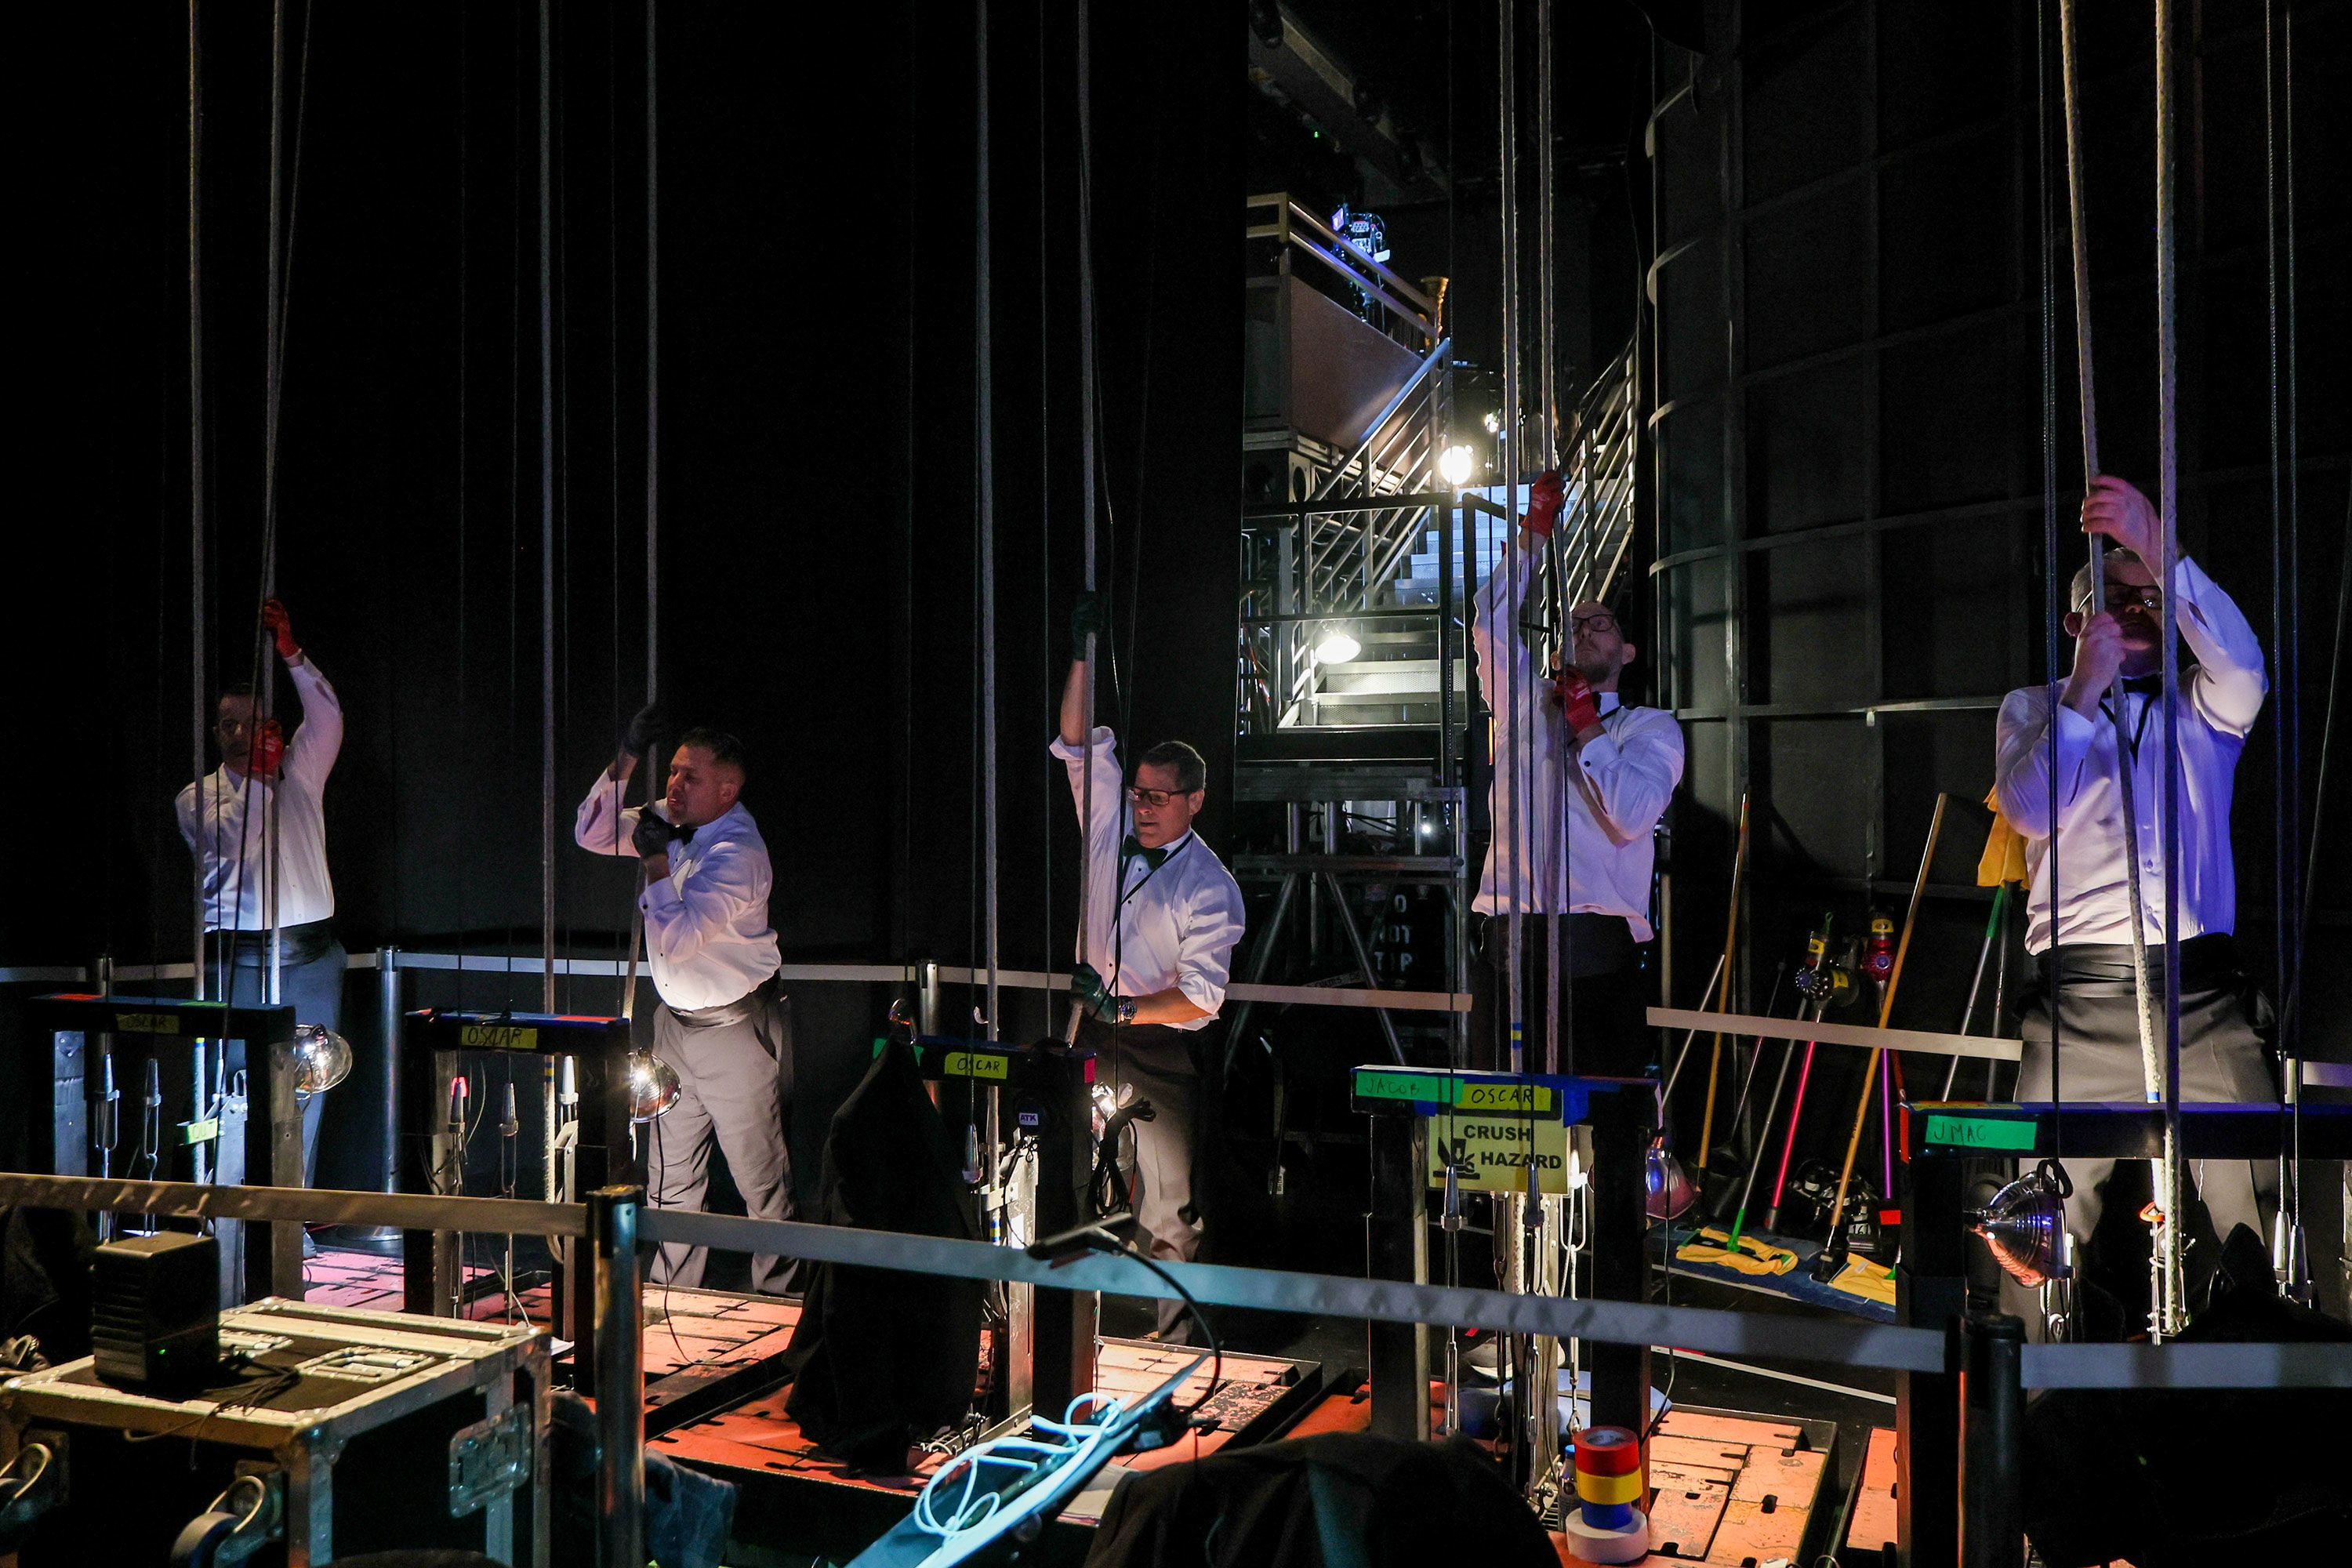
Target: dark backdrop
{"points": [[817, 477], [1848, 352]]}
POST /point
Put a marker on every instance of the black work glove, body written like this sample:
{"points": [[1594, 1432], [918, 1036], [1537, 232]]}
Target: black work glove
{"points": [[644, 728], [1088, 617], [653, 835]]}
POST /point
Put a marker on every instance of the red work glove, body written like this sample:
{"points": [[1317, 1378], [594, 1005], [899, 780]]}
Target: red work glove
{"points": [[273, 617], [1545, 498], [1577, 703], [267, 750]]}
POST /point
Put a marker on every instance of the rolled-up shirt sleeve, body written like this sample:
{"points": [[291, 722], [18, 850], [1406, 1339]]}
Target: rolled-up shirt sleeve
{"points": [[2227, 685], [1632, 779], [2021, 759], [318, 740], [723, 887], [603, 825], [1204, 954]]}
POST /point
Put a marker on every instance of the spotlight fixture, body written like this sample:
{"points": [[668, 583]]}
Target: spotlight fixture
{"points": [[1337, 647], [653, 1086], [2024, 1226], [1457, 464], [322, 1058]]}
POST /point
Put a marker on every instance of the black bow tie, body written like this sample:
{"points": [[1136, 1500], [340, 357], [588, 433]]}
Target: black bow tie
{"points": [[2145, 685], [1133, 849]]}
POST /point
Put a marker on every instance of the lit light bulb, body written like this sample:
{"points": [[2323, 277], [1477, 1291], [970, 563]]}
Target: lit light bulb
{"points": [[1336, 647], [1494, 423], [322, 1058], [1455, 465]]}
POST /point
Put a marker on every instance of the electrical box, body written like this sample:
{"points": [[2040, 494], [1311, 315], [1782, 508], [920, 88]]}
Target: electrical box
{"points": [[327, 1432]]}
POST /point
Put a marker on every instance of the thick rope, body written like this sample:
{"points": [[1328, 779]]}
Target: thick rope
{"points": [[2151, 1065], [2167, 419], [197, 652]]}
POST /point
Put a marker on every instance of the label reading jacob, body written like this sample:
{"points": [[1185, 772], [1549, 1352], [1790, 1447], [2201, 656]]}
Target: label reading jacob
{"points": [[1494, 1152], [497, 1038]]}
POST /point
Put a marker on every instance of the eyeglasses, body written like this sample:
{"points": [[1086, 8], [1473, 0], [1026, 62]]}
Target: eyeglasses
{"points": [[1157, 799], [2131, 595], [1603, 622]]}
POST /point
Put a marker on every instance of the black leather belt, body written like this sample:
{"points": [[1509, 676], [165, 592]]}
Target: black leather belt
{"points": [[740, 1011]]}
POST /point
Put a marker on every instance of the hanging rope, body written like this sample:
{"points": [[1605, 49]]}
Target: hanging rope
{"points": [[2054, 596], [199, 655], [2151, 1065], [1088, 402], [2168, 421]]}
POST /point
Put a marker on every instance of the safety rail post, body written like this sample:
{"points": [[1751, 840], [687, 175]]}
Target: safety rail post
{"points": [[1397, 1247], [387, 1018], [1992, 1440], [1930, 1292], [619, 1388], [1622, 1124]]}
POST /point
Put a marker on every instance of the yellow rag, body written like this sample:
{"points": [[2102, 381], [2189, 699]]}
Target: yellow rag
{"points": [[2004, 852], [1754, 1257], [1872, 1282]]}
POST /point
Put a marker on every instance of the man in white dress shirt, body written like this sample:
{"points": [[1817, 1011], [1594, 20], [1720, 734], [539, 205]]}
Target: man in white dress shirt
{"points": [[225, 816], [2081, 936], [723, 1022], [1157, 944], [1581, 781]]}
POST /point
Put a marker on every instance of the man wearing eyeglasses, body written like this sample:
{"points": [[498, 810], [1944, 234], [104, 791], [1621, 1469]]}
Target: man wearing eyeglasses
{"points": [[1161, 918], [1581, 779], [269, 783], [2079, 910]]}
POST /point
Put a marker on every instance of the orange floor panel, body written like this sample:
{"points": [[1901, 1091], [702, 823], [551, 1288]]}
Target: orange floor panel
{"points": [[1728, 1490], [761, 1435], [1873, 1527]]}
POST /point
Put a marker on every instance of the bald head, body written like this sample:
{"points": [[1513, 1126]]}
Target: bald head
{"points": [[1598, 647]]}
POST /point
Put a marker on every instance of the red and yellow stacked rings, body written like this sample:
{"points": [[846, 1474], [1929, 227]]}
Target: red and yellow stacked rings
{"points": [[1609, 1468]]}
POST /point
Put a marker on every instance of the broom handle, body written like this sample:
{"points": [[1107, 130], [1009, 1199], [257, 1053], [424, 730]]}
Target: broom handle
{"points": [[1886, 1011]]}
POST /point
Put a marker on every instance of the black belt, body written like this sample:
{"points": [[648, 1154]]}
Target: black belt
{"points": [[297, 944], [740, 1011], [2207, 962]]}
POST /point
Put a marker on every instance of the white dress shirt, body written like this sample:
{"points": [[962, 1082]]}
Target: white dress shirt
{"points": [[2220, 695], [224, 817], [707, 922], [1588, 847], [1175, 925]]}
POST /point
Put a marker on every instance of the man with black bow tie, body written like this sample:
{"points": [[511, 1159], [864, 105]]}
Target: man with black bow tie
{"points": [[2079, 924], [1161, 918], [723, 1022]]}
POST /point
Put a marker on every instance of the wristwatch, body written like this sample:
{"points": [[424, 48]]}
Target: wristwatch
{"points": [[1124, 1013]]}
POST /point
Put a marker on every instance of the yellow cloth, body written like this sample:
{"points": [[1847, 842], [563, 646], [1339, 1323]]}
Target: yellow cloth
{"points": [[1868, 1280], [1754, 1257], [2004, 852]]}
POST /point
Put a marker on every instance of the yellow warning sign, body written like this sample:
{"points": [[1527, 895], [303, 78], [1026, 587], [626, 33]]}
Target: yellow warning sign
{"points": [[1493, 1153]]}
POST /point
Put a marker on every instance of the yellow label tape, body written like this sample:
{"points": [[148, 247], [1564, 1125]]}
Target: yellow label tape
{"points": [[497, 1038], [977, 1064]]}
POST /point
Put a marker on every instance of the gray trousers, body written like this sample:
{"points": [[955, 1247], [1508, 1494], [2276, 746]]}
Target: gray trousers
{"points": [[2221, 1060], [310, 981], [734, 1084], [1155, 1062]]}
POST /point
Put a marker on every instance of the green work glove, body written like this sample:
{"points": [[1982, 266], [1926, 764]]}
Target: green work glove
{"points": [[1087, 988]]}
